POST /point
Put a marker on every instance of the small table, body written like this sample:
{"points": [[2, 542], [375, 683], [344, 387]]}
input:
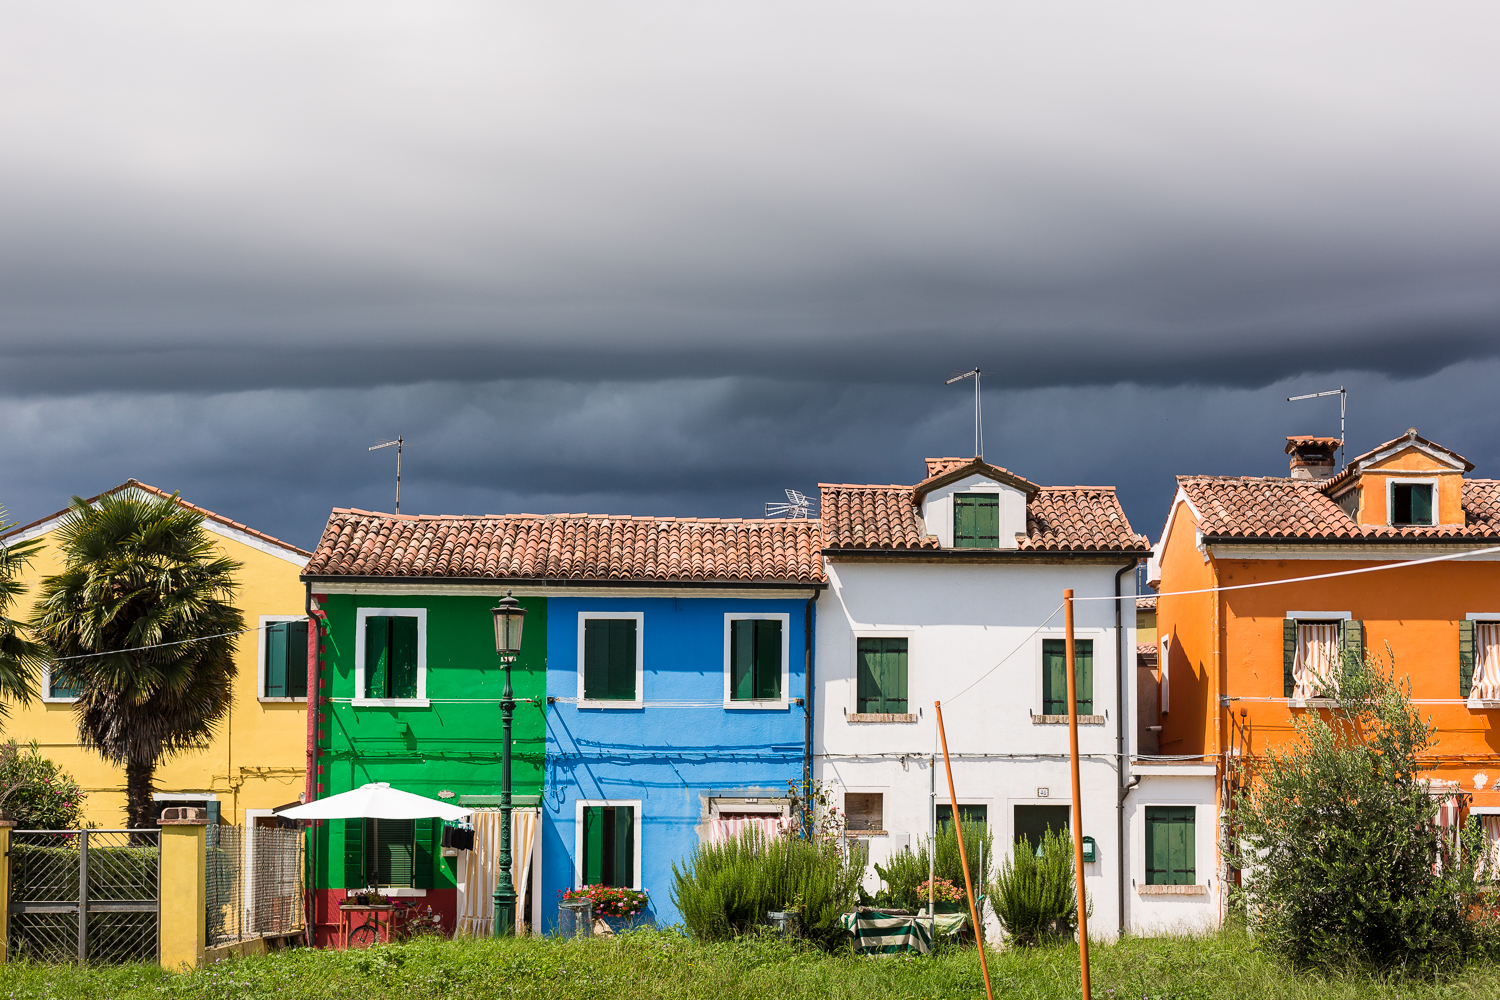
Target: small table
{"points": [[369, 918]]}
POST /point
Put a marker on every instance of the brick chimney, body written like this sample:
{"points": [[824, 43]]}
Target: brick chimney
{"points": [[1312, 457]]}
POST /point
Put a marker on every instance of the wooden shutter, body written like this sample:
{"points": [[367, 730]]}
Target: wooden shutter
{"points": [[964, 527], [1288, 656], [425, 853], [1083, 661], [624, 846], [377, 657], [1054, 677], [867, 666], [596, 658], [395, 849], [894, 685], [276, 643], [1421, 505], [1354, 641], [296, 659], [1170, 845], [593, 844], [354, 853], [622, 659], [767, 658], [403, 657], [741, 660], [976, 520], [1465, 658]]}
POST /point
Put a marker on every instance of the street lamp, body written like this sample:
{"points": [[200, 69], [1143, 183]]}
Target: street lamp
{"points": [[509, 616]]}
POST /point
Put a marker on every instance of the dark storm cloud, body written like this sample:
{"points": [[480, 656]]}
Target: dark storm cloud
{"points": [[670, 258]]}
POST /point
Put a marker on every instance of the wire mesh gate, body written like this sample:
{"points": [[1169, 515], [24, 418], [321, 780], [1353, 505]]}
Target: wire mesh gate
{"points": [[84, 895], [254, 883]]}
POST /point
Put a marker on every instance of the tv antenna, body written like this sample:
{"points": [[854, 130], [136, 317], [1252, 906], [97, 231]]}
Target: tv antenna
{"points": [[796, 507], [1343, 396], [387, 444], [978, 421]]}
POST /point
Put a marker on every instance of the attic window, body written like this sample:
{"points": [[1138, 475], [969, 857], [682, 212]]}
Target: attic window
{"points": [[1411, 503], [976, 520]]}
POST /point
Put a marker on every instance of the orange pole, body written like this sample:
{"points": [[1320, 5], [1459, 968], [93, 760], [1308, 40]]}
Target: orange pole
{"points": [[963, 856], [1083, 910]]}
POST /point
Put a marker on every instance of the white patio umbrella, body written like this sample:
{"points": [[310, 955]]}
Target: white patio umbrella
{"points": [[377, 800]]}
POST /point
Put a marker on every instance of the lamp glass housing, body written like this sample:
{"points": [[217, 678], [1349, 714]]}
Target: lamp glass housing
{"points": [[509, 616]]}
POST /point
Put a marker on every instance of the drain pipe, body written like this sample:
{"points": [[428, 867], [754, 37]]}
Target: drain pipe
{"points": [[1125, 664], [807, 697]]}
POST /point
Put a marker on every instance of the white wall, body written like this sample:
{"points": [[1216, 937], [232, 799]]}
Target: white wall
{"points": [[961, 620], [1193, 785], [937, 509]]}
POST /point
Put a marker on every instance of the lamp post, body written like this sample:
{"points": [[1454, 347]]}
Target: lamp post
{"points": [[509, 616]]}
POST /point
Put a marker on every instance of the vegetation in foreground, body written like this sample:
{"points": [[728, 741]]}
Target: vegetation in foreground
{"points": [[655, 964]]}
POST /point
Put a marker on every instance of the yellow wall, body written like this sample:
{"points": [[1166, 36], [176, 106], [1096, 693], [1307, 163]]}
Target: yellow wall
{"points": [[259, 756]]}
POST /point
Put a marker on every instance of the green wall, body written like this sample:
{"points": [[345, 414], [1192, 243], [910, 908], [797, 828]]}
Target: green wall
{"points": [[451, 745]]}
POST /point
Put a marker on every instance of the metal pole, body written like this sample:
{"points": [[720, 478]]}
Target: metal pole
{"points": [[963, 857], [1083, 909], [932, 844], [505, 890], [398, 473], [83, 896]]}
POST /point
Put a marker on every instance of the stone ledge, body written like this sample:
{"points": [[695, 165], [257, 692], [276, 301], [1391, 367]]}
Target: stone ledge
{"points": [[880, 717], [1172, 890], [1062, 720]]}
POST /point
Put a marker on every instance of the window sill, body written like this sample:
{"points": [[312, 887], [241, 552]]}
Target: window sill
{"points": [[1312, 703], [59, 701], [879, 717], [401, 891], [273, 701], [1172, 890], [1481, 704], [611, 704], [760, 704], [1062, 720], [390, 702], [866, 833]]}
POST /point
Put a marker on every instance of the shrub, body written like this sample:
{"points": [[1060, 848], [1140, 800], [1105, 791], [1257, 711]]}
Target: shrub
{"points": [[1343, 860], [905, 872], [1035, 895], [36, 791], [726, 889]]}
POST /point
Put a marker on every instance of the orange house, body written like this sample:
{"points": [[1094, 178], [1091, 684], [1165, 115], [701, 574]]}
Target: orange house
{"points": [[1235, 667]]}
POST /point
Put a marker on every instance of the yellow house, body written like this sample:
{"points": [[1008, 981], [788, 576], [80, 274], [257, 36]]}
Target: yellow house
{"points": [[257, 761]]}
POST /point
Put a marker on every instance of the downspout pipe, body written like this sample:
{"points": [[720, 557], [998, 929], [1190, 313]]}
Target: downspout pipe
{"points": [[310, 906], [807, 697], [1125, 663]]}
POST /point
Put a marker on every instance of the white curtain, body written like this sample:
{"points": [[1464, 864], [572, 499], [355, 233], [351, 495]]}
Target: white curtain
{"points": [[1316, 667], [479, 869], [1492, 833], [1486, 662], [720, 830]]}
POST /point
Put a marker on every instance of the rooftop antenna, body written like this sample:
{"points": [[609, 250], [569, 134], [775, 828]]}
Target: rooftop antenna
{"points": [[796, 507], [974, 373], [1343, 396], [387, 444]]}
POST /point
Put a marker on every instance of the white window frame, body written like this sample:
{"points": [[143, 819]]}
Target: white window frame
{"points": [[580, 805], [910, 635], [639, 617], [260, 655], [774, 704], [47, 687], [420, 701], [1390, 499], [1097, 636]]}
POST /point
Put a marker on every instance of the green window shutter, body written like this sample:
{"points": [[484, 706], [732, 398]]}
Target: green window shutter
{"points": [[392, 844], [1054, 677], [1288, 656], [276, 643], [987, 520], [1421, 504], [964, 528], [403, 657], [1354, 640], [593, 845], [425, 841], [741, 660], [1465, 659], [377, 656], [296, 659], [882, 675], [596, 658], [1083, 659], [976, 520], [895, 676], [1170, 845], [354, 854], [624, 846], [767, 659], [867, 666], [622, 659]]}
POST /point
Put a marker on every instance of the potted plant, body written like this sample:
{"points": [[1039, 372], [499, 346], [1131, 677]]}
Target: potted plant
{"points": [[616, 907], [946, 897]]}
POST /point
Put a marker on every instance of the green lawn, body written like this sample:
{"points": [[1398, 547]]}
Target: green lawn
{"points": [[651, 964]]}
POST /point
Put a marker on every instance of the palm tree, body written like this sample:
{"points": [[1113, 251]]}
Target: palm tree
{"points": [[21, 659], [141, 572]]}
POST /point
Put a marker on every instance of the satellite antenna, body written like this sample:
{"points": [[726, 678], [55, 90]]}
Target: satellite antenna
{"points": [[796, 507], [1343, 396], [387, 444], [974, 373]]}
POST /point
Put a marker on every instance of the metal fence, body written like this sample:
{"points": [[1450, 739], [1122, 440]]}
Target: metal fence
{"points": [[254, 883], [84, 895]]}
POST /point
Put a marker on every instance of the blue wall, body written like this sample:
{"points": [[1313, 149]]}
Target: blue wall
{"points": [[668, 756]]}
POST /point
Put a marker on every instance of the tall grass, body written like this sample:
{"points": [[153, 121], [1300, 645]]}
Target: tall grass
{"points": [[726, 889]]}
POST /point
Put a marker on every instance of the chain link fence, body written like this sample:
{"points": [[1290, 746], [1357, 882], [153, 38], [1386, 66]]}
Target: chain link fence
{"points": [[254, 883], [84, 895]]}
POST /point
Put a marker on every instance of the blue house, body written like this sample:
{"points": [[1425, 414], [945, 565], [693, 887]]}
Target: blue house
{"points": [[677, 676]]}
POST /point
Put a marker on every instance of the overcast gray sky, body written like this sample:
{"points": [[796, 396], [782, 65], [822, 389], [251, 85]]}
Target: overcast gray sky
{"points": [[669, 258]]}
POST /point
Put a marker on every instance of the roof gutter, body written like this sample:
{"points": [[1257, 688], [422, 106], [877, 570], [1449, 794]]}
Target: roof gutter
{"points": [[1120, 748], [506, 581]]}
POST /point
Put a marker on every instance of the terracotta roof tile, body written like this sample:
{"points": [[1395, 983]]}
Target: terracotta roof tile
{"points": [[569, 547], [1247, 507], [1145, 603]]}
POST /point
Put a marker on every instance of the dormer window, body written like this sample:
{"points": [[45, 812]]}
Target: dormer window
{"points": [[1411, 504], [976, 520]]}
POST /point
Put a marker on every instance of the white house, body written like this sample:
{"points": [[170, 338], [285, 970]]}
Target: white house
{"points": [[950, 591]]}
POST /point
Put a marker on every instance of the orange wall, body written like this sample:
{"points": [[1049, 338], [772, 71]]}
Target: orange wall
{"points": [[1186, 624], [1411, 462]]}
